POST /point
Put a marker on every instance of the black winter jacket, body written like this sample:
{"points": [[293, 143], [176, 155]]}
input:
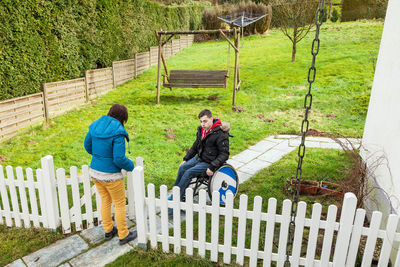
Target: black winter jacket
{"points": [[213, 149]]}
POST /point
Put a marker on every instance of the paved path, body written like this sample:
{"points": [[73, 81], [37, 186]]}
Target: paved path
{"points": [[88, 248]]}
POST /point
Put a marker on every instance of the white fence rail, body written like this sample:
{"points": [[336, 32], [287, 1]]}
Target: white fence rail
{"points": [[257, 236], [50, 198]]}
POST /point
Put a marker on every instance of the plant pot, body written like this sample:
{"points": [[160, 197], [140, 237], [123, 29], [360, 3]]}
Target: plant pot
{"points": [[307, 186], [327, 188]]}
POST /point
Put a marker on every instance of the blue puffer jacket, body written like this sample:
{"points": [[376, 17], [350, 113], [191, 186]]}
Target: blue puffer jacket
{"points": [[105, 141]]}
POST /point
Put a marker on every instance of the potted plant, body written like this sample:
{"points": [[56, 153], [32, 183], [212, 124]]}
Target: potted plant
{"points": [[306, 186]]}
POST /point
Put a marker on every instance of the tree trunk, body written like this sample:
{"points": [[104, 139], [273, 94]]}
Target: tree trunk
{"points": [[330, 9], [294, 50]]}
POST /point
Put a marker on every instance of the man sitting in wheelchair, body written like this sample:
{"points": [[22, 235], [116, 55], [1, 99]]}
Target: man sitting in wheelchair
{"points": [[210, 150]]}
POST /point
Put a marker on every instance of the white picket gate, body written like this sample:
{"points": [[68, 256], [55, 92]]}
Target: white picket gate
{"points": [[338, 247], [52, 199]]}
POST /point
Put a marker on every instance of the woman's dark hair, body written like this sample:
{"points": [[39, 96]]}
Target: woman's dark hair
{"points": [[119, 112], [205, 112]]}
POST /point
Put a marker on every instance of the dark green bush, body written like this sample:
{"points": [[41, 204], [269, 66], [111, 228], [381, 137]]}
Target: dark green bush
{"points": [[363, 9], [335, 15], [45, 41]]}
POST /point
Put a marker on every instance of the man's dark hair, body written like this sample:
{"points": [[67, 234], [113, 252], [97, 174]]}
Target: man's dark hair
{"points": [[119, 112], [205, 112]]}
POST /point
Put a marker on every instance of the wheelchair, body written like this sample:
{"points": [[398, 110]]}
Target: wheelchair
{"points": [[223, 180]]}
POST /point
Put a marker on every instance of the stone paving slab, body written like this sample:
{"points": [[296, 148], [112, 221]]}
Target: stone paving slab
{"points": [[273, 139], [65, 265], [246, 155], [286, 136], [243, 177], [236, 164], [16, 263], [254, 166], [263, 145], [284, 147], [101, 255], [95, 235], [272, 155], [331, 145], [57, 253]]}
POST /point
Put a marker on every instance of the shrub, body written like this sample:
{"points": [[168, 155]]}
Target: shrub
{"points": [[335, 15], [363, 9], [45, 41]]}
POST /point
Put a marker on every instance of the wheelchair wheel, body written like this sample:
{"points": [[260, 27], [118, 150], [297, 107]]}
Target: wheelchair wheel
{"points": [[224, 179]]}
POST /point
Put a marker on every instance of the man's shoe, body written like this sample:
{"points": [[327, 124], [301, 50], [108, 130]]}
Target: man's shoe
{"points": [[110, 235], [131, 236]]}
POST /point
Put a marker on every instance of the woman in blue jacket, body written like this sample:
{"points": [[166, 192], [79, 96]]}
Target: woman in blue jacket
{"points": [[105, 141]]}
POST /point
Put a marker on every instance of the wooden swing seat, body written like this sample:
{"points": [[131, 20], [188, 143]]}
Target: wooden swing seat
{"points": [[197, 79]]}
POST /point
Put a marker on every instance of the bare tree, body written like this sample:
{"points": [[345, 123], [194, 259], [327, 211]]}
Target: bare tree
{"points": [[295, 19]]}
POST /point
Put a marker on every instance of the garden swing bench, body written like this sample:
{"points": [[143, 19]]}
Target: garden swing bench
{"points": [[197, 78]]}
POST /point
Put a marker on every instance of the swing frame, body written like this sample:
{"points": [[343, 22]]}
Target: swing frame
{"points": [[186, 77]]}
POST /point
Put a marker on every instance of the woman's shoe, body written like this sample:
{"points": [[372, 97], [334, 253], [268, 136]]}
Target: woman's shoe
{"points": [[110, 235], [131, 236]]}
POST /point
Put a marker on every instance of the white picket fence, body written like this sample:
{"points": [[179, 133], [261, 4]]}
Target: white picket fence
{"points": [[52, 199], [338, 245]]}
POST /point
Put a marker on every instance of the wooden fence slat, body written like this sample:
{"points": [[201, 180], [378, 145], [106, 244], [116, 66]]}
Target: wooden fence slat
{"points": [[177, 219], [98, 205], [4, 199], [152, 215], [313, 235], [22, 196], [189, 221], [214, 226], [76, 199], [269, 232], [202, 223], [228, 227], [298, 233], [328, 235], [388, 241], [355, 237], [13, 194], [346, 225], [87, 196], [283, 235], [371, 240], [241, 229], [255, 230], [42, 202], [32, 197], [63, 200], [164, 217]]}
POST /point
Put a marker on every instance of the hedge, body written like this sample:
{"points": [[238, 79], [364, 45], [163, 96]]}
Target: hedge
{"points": [[45, 41], [363, 9]]}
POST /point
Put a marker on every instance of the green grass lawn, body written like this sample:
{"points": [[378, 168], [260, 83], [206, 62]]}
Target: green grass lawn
{"points": [[272, 95]]}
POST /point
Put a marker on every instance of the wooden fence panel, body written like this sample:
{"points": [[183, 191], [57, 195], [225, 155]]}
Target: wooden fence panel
{"points": [[183, 41], [153, 56], [142, 62], [63, 96], [99, 82], [20, 112], [175, 46], [190, 39], [167, 50], [123, 71]]}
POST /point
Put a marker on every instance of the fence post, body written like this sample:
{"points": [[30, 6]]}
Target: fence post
{"points": [[86, 86], [45, 104], [345, 229], [113, 76], [140, 207], [135, 72], [50, 192]]}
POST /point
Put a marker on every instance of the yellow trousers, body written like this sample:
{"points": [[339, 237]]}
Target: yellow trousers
{"points": [[113, 192]]}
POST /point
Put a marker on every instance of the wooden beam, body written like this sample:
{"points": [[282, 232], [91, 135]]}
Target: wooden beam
{"points": [[169, 38], [165, 64], [194, 32], [229, 41], [159, 67]]}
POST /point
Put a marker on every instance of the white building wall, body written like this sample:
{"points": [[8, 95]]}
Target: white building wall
{"points": [[382, 128]]}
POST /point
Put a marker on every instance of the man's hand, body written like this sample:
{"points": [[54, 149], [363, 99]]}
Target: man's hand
{"points": [[183, 162], [209, 172]]}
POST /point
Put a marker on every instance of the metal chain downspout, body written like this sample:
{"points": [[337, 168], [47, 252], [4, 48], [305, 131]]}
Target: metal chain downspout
{"points": [[304, 129]]}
